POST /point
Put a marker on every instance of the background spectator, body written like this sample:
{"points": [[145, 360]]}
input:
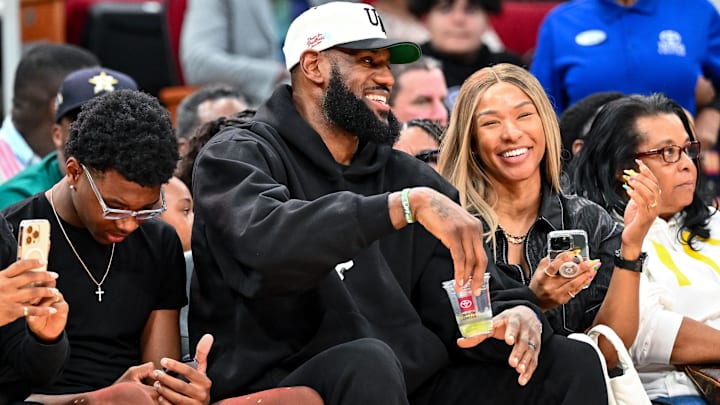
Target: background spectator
{"points": [[575, 122], [232, 41], [27, 130], [77, 88], [419, 91], [421, 138], [205, 105], [456, 30], [632, 46]]}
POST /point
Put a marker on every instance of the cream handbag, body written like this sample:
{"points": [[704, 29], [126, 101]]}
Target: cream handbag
{"points": [[626, 389]]}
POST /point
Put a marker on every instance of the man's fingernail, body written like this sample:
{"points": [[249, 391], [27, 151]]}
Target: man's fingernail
{"points": [[52, 310], [164, 362], [156, 385], [53, 274], [156, 373]]}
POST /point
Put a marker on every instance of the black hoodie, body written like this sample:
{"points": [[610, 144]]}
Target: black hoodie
{"points": [[274, 215]]}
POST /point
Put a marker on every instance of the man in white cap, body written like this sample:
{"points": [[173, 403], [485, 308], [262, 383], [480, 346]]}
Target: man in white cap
{"points": [[306, 271]]}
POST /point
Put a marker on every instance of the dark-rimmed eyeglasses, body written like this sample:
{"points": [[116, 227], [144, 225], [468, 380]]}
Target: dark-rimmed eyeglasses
{"points": [[116, 214], [429, 156], [672, 153]]}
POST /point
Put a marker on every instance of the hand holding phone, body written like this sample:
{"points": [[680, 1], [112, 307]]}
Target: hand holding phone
{"points": [[565, 241], [34, 241]]}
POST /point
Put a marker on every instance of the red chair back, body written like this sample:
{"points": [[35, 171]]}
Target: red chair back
{"points": [[518, 23]]}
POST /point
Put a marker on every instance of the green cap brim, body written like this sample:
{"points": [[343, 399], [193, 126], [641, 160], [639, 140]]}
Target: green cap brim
{"points": [[400, 51]]}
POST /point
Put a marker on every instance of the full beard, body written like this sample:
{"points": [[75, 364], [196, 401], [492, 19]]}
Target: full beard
{"points": [[350, 113]]}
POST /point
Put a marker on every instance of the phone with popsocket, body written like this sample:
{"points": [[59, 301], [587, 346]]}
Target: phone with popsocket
{"points": [[565, 241], [34, 241]]}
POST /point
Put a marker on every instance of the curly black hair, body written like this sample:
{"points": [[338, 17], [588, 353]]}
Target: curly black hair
{"points": [[128, 131], [203, 134]]}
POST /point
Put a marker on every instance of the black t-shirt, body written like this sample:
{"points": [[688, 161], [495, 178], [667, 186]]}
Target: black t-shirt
{"points": [[147, 273]]}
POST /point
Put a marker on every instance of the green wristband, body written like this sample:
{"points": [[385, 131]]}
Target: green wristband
{"points": [[405, 200]]}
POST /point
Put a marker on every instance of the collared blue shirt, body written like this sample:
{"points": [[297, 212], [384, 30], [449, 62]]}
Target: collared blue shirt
{"points": [[15, 140], [588, 46]]}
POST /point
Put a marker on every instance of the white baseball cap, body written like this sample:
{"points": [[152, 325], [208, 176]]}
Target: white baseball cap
{"points": [[345, 25]]}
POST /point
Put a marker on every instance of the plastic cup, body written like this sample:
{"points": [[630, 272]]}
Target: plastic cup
{"points": [[472, 313]]}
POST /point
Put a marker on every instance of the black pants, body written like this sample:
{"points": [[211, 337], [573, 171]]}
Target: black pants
{"points": [[366, 371], [568, 373], [359, 372]]}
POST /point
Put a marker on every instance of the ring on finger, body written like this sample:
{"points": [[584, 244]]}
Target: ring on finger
{"points": [[25, 311], [571, 294], [547, 274], [532, 345]]}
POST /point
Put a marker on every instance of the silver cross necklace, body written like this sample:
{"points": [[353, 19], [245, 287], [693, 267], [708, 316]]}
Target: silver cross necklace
{"points": [[99, 292]]}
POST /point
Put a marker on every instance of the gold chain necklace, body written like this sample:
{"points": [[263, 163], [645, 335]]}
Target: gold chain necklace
{"points": [[99, 292], [515, 239]]}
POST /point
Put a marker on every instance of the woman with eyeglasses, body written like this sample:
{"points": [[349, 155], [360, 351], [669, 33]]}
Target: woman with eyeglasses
{"points": [[679, 289]]}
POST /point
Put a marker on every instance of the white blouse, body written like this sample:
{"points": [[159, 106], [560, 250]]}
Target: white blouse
{"points": [[677, 282]]}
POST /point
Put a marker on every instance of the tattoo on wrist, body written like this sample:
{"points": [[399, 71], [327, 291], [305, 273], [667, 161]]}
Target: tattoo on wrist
{"points": [[438, 207]]}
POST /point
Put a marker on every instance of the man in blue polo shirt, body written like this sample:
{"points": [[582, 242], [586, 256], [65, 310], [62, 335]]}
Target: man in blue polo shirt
{"points": [[630, 46]]}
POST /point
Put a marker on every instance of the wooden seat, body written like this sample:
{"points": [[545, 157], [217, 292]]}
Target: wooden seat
{"points": [[42, 20]]}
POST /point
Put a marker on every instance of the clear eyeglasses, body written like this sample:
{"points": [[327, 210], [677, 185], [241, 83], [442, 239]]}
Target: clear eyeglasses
{"points": [[116, 214]]}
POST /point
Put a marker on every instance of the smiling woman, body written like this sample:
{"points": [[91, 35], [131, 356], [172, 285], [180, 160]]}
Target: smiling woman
{"points": [[502, 153]]}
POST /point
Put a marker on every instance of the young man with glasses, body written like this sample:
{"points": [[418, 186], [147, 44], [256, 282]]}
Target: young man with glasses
{"points": [[122, 272]]}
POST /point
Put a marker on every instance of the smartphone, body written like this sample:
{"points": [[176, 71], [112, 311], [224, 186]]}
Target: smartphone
{"points": [[568, 240], [192, 363], [34, 240]]}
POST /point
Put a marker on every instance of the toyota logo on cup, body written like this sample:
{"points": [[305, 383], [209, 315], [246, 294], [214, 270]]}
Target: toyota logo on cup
{"points": [[467, 304]]}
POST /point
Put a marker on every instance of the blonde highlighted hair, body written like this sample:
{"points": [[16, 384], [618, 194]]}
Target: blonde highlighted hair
{"points": [[458, 161]]}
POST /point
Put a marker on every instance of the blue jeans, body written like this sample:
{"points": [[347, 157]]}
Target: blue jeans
{"points": [[681, 400]]}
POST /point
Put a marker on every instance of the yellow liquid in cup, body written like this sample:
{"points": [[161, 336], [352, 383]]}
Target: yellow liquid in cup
{"points": [[474, 328]]}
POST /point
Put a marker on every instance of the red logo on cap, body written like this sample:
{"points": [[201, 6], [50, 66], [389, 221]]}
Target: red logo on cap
{"points": [[467, 304], [315, 40]]}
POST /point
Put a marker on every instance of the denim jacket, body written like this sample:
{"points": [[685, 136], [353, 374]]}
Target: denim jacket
{"points": [[560, 211]]}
